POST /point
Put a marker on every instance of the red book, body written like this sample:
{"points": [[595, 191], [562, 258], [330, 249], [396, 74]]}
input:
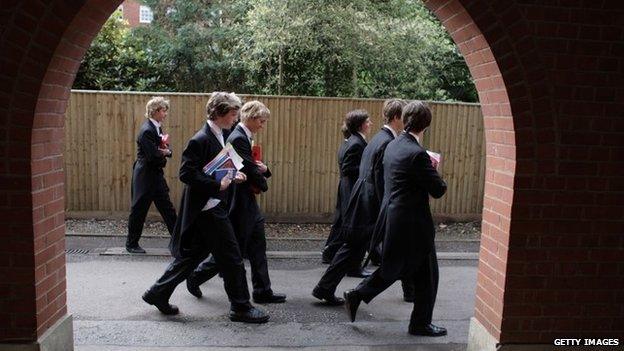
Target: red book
{"points": [[164, 141], [256, 153]]}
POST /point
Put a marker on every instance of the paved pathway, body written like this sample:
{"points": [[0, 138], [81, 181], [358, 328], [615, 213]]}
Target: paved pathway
{"points": [[104, 296]]}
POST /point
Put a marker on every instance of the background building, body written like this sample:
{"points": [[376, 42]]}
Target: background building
{"points": [[136, 14]]}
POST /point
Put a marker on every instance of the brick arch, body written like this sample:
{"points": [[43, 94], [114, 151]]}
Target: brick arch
{"points": [[520, 123], [534, 101]]}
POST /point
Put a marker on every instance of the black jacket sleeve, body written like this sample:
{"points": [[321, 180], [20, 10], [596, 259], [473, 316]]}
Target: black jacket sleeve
{"points": [[427, 176], [378, 172], [191, 172], [350, 165]]}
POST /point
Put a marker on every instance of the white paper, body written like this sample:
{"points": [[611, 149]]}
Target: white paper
{"points": [[231, 154]]}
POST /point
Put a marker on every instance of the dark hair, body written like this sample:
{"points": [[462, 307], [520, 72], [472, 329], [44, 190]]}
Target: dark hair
{"points": [[392, 109], [354, 120], [221, 103], [416, 116], [345, 131]]}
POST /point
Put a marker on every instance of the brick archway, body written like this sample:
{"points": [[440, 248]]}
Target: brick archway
{"points": [[548, 83]]}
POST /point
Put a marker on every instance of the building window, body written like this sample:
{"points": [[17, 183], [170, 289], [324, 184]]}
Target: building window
{"points": [[145, 14]]}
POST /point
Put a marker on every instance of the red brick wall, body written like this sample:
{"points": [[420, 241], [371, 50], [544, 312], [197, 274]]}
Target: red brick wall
{"points": [[131, 12], [552, 257], [41, 44], [500, 145], [550, 81], [566, 272]]}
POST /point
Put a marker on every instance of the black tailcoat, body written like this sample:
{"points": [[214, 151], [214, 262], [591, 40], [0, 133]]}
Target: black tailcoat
{"points": [[148, 184], [244, 210], [198, 188], [148, 167], [405, 215], [363, 207], [349, 157]]}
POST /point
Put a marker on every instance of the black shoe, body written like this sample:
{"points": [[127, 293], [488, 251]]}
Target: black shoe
{"points": [[359, 273], [135, 249], [330, 298], [193, 288], [163, 306], [352, 302], [269, 298], [427, 330], [252, 315]]}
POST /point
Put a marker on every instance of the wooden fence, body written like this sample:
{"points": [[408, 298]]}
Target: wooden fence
{"points": [[299, 145]]}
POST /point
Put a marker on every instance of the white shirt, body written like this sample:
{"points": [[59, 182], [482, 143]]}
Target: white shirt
{"points": [[247, 132], [391, 130], [157, 125], [362, 134], [217, 131]]}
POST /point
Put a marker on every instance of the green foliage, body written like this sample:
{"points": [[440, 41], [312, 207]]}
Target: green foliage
{"points": [[117, 61], [361, 48]]}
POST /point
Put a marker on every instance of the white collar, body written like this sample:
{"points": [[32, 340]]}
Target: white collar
{"points": [[247, 131], [415, 136], [155, 123], [215, 128], [362, 134], [391, 130]]}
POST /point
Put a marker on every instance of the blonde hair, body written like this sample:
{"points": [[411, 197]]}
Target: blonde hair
{"points": [[155, 104], [254, 109], [220, 103]]}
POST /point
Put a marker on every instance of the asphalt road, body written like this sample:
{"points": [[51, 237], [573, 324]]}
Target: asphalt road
{"points": [[104, 297]]}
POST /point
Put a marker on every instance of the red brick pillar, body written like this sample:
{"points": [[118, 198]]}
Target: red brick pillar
{"points": [[565, 272], [551, 87], [41, 44]]}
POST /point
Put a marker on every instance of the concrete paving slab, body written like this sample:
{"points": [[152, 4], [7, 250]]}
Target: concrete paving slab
{"points": [[121, 251], [104, 241], [104, 296]]}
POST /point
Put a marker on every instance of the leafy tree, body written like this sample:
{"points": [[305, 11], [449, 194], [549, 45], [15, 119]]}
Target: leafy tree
{"points": [[194, 39], [115, 61], [359, 48], [352, 48]]}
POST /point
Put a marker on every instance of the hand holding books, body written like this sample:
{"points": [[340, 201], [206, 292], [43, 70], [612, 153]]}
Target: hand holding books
{"points": [[232, 176], [164, 145], [226, 180], [240, 177], [262, 167], [436, 158], [224, 168]]}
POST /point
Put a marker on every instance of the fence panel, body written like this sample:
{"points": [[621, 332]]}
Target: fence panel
{"points": [[299, 143]]}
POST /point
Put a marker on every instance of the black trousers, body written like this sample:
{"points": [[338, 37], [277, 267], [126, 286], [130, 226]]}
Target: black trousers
{"points": [[216, 236], [141, 202], [348, 258], [349, 255], [256, 253], [425, 278]]}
